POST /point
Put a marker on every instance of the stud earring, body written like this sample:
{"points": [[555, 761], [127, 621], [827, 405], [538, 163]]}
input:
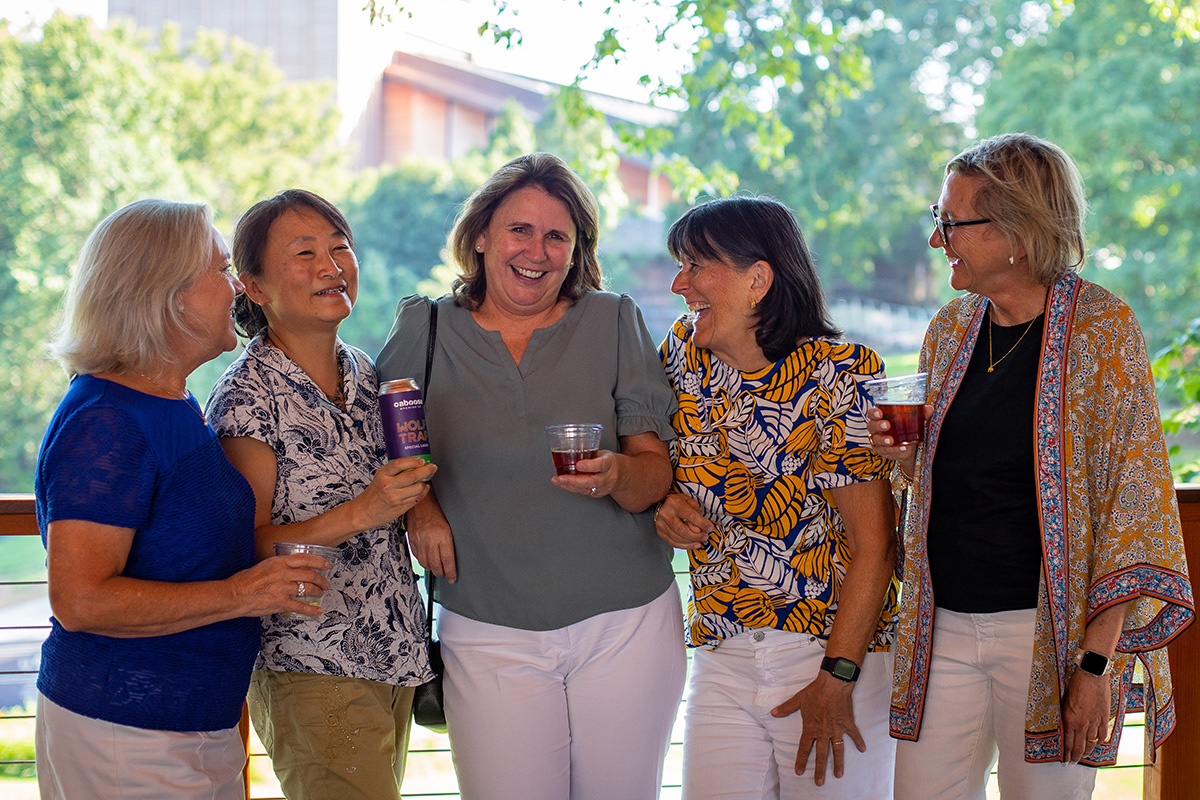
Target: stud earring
{"points": [[478, 248], [1010, 260], [753, 303]]}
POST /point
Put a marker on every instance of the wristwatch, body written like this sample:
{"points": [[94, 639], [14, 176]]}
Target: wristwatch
{"points": [[1092, 663], [841, 668]]}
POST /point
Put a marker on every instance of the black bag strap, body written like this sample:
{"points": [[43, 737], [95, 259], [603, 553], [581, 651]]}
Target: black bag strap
{"points": [[433, 306]]}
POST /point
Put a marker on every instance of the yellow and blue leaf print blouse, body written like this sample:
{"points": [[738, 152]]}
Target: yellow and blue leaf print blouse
{"points": [[757, 450]]}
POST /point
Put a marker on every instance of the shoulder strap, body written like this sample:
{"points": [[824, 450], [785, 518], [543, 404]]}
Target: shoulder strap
{"points": [[429, 350], [433, 306]]}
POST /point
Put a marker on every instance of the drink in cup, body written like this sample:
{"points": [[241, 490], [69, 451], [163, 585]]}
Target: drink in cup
{"points": [[572, 443], [403, 411], [330, 554], [902, 402]]}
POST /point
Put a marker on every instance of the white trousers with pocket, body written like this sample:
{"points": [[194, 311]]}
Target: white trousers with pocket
{"points": [[577, 713]]}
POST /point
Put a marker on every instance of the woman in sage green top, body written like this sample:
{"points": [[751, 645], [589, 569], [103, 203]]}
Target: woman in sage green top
{"points": [[561, 631]]}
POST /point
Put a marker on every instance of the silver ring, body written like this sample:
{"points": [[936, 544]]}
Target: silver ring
{"points": [[593, 490], [299, 588]]}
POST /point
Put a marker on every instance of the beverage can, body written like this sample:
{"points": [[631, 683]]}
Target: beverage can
{"points": [[403, 411]]}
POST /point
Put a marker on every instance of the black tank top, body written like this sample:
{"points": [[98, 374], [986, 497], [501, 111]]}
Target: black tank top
{"points": [[985, 547]]}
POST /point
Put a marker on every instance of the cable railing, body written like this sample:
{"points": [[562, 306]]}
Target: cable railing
{"points": [[24, 613]]}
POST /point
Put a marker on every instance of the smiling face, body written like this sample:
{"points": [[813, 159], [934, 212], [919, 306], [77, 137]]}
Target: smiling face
{"points": [[719, 296], [309, 276], [978, 254], [527, 249], [208, 304]]}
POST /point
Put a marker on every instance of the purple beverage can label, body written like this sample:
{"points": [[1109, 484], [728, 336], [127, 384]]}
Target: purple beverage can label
{"points": [[403, 412]]}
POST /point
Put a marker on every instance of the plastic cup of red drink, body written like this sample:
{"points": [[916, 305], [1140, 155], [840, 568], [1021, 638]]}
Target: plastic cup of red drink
{"points": [[902, 401], [572, 443]]}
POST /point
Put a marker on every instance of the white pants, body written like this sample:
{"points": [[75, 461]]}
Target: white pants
{"points": [[79, 758], [734, 749], [975, 711], [582, 712]]}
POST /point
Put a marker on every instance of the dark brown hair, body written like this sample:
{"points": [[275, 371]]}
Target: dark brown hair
{"points": [[250, 240], [743, 230], [552, 175]]}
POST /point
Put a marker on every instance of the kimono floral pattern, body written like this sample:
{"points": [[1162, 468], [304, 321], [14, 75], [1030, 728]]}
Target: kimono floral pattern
{"points": [[373, 620], [1110, 524], [757, 450]]}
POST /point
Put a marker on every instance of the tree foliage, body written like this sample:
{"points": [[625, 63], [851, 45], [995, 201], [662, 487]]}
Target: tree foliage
{"points": [[1116, 88], [92, 119]]}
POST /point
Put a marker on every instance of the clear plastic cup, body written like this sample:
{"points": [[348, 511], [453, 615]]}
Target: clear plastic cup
{"points": [[572, 443], [902, 400], [330, 554]]}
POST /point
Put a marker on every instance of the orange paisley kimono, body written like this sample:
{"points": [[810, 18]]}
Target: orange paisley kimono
{"points": [[1110, 524]]}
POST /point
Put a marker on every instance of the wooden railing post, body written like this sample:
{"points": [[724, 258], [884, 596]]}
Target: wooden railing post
{"points": [[1176, 773]]}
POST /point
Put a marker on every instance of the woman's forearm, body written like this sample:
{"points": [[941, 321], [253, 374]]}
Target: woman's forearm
{"points": [[868, 517]]}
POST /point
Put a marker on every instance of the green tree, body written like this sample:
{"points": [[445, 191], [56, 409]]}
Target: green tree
{"points": [[92, 119], [400, 218], [1116, 88]]}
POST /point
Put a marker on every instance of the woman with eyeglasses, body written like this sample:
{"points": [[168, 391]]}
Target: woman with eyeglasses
{"points": [[1042, 542]]}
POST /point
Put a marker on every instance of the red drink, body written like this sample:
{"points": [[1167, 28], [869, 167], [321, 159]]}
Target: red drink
{"points": [[907, 421], [564, 460]]}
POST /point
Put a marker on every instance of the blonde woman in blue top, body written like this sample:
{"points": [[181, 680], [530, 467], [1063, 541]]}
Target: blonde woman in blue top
{"points": [[149, 530]]}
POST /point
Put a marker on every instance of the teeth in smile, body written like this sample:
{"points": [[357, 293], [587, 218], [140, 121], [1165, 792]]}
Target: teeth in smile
{"points": [[528, 273], [696, 308], [336, 290]]}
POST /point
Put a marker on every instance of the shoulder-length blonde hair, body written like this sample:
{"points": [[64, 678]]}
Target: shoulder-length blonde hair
{"points": [[122, 308], [552, 175], [1033, 193]]}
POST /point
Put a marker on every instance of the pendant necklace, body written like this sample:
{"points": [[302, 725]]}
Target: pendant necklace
{"points": [[992, 364]]}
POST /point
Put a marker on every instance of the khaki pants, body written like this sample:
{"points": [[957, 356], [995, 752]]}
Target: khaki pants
{"points": [[332, 737]]}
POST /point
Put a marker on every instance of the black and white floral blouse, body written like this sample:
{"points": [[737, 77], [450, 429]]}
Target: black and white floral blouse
{"points": [[373, 623]]}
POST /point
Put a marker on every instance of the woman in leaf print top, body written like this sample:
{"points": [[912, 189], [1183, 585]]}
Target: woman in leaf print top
{"points": [[298, 415], [786, 515]]}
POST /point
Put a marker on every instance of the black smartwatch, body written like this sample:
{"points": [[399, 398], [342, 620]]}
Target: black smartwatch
{"points": [[1092, 663], [841, 668]]}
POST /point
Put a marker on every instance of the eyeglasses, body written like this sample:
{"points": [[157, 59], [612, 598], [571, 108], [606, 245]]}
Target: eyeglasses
{"points": [[944, 228]]}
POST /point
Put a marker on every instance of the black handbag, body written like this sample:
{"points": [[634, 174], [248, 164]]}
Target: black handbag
{"points": [[429, 710]]}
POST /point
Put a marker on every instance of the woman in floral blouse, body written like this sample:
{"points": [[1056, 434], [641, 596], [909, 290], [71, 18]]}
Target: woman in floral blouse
{"points": [[786, 514], [298, 415]]}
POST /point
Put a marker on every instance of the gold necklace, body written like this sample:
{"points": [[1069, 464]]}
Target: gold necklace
{"points": [[992, 364], [172, 393], [187, 395]]}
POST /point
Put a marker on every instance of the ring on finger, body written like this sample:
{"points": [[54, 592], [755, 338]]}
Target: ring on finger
{"points": [[838, 743], [299, 588]]}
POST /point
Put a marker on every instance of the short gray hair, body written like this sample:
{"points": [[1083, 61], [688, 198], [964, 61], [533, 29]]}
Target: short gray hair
{"points": [[122, 307], [1033, 193]]}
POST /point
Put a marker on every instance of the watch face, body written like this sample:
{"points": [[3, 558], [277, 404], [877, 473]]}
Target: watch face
{"points": [[844, 669], [841, 668], [1093, 663]]}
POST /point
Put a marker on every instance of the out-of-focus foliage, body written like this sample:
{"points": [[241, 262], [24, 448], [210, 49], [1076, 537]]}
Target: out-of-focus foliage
{"points": [[1177, 372], [1117, 89], [92, 119], [1185, 16]]}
